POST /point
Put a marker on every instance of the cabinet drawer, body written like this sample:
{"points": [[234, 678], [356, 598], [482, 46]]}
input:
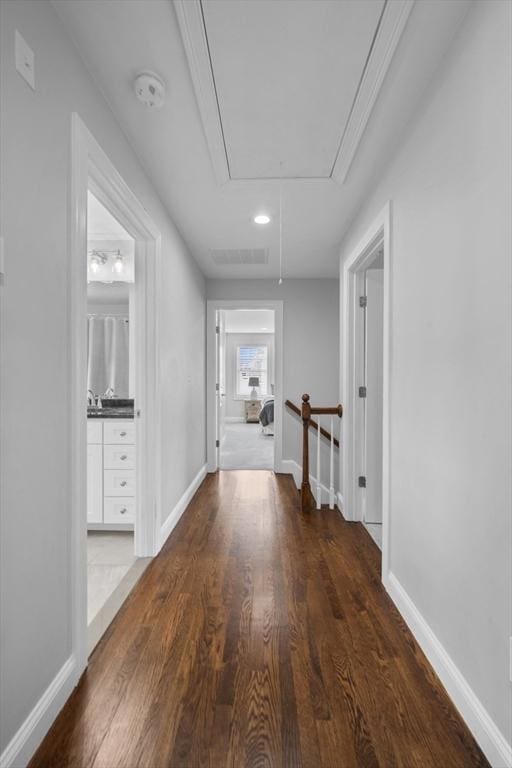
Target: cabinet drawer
{"points": [[119, 456], [119, 482], [119, 432], [119, 510], [94, 432]]}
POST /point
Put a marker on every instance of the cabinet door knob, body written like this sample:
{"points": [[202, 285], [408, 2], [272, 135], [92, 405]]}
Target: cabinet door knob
{"points": [[123, 434], [124, 457], [122, 511], [123, 483]]}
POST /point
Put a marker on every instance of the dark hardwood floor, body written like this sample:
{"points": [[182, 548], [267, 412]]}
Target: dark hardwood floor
{"points": [[259, 637]]}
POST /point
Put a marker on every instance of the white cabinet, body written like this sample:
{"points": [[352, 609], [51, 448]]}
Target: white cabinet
{"points": [[94, 484], [119, 511], [119, 432], [110, 473]]}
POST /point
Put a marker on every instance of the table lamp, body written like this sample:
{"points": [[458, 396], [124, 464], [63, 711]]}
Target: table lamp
{"points": [[254, 381]]}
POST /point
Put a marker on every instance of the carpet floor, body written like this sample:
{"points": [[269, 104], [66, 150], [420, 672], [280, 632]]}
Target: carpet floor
{"points": [[246, 447]]}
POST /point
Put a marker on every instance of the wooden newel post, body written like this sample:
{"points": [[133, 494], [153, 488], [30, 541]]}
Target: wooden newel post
{"points": [[307, 499]]}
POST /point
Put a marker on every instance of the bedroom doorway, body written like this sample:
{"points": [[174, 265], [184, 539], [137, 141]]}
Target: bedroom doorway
{"points": [[244, 385]]}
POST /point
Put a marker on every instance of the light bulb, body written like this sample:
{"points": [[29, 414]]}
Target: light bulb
{"points": [[118, 264], [94, 265]]}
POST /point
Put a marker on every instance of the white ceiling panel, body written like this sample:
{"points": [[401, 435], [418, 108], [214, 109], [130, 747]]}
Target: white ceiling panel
{"points": [[181, 145], [286, 76]]}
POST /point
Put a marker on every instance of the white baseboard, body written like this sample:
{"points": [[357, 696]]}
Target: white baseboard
{"points": [[291, 467], [174, 516], [234, 419], [28, 737], [487, 734]]}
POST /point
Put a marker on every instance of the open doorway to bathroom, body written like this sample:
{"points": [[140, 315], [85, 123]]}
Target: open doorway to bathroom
{"points": [[112, 567], [246, 387]]}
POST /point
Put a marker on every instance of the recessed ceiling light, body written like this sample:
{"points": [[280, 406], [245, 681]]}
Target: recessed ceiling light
{"points": [[262, 218]]}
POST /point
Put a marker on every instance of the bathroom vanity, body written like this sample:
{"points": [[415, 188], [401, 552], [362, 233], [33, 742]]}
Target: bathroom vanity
{"points": [[110, 473]]}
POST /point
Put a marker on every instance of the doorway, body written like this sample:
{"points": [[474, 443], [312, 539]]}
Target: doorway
{"points": [[365, 321], [135, 441], [373, 340], [112, 566], [244, 384], [245, 388]]}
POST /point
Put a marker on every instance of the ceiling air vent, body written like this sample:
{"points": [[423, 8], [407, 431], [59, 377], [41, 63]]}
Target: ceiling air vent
{"points": [[241, 256]]}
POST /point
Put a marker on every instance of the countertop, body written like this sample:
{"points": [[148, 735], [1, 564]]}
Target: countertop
{"points": [[112, 408]]}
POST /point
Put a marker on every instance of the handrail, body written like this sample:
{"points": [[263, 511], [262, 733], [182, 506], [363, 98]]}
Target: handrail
{"points": [[308, 501], [313, 423]]}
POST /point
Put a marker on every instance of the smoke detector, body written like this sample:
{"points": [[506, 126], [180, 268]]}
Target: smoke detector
{"points": [[150, 89]]}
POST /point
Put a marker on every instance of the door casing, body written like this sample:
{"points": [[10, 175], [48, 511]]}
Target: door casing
{"points": [[212, 306], [352, 372], [92, 169]]}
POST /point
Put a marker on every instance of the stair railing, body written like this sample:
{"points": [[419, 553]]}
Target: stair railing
{"points": [[308, 501]]}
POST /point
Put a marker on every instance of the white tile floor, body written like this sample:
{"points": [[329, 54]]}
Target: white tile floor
{"points": [[109, 558]]}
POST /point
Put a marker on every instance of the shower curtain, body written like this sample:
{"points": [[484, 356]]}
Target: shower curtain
{"points": [[108, 351]]}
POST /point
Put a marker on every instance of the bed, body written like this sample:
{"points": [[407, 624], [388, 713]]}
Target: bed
{"points": [[267, 416]]}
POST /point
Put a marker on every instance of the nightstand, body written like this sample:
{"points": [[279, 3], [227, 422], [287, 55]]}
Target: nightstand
{"points": [[252, 410]]}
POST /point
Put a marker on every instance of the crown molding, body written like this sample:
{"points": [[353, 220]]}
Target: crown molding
{"points": [[192, 28], [392, 23], [193, 33]]}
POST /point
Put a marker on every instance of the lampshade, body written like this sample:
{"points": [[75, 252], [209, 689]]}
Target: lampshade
{"points": [[254, 381]]}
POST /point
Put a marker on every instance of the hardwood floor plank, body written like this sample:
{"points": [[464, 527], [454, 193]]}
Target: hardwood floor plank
{"points": [[259, 637]]}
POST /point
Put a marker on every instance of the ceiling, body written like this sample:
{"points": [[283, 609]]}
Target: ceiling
{"points": [[276, 67], [249, 320], [313, 91], [101, 225]]}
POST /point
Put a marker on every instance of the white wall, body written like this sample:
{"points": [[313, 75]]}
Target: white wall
{"points": [[450, 502], [35, 162], [234, 404], [310, 342]]}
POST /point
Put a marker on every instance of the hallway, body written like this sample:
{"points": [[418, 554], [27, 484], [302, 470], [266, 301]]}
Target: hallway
{"points": [[259, 637]]}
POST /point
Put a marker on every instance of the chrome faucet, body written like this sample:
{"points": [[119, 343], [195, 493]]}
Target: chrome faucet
{"points": [[91, 397]]}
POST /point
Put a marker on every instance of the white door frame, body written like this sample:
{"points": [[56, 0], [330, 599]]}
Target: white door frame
{"points": [[212, 305], [379, 233], [92, 169]]}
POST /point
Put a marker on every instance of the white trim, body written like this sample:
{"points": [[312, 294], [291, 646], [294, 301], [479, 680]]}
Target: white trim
{"points": [[32, 731], [234, 419], [292, 467], [192, 28], [487, 734], [91, 168], [378, 233], [212, 305], [174, 516], [191, 24], [392, 24]]}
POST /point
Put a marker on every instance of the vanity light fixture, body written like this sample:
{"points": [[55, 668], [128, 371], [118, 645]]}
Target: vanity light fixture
{"points": [[261, 218], [118, 263], [97, 260]]}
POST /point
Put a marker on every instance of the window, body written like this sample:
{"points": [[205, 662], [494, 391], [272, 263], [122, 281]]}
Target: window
{"points": [[251, 361]]}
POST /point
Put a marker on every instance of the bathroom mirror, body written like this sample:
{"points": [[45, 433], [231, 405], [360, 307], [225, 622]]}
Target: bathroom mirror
{"points": [[108, 340]]}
